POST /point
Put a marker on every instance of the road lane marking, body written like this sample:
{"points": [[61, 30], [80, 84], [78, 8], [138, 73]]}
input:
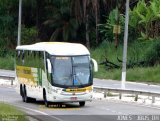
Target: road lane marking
{"points": [[33, 110]]}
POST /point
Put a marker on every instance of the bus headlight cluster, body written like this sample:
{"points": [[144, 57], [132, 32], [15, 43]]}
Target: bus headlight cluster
{"points": [[88, 91], [59, 91]]}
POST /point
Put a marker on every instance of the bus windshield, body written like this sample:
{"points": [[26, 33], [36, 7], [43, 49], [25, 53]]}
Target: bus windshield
{"points": [[71, 71]]}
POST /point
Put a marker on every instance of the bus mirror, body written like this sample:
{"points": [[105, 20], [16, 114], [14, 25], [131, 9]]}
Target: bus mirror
{"points": [[49, 67], [95, 65]]}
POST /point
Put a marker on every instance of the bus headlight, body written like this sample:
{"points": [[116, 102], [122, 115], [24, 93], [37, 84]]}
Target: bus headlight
{"points": [[87, 91], [59, 91]]}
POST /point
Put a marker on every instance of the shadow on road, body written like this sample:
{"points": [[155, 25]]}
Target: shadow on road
{"points": [[56, 105]]}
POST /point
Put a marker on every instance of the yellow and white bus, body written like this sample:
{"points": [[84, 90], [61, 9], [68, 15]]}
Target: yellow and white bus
{"points": [[55, 72]]}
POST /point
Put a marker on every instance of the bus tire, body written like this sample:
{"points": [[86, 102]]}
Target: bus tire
{"points": [[21, 90], [82, 103], [26, 98], [45, 98], [22, 93]]}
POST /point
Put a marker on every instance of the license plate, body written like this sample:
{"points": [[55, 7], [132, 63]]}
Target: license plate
{"points": [[73, 98]]}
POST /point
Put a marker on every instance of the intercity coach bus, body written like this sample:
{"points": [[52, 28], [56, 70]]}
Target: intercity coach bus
{"points": [[55, 72]]}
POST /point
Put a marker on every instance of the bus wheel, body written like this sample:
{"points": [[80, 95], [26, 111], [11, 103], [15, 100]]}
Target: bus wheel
{"points": [[22, 93], [26, 98], [82, 103], [45, 99]]}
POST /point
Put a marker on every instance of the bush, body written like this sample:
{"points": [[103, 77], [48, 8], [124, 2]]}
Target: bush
{"points": [[29, 35], [106, 29], [152, 55]]}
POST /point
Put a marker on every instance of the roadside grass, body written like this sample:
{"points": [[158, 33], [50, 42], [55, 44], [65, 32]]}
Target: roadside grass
{"points": [[147, 75], [7, 63], [136, 52], [8, 112]]}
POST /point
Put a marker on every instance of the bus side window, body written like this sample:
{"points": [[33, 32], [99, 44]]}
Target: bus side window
{"points": [[41, 59], [34, 54], [28, 53], [31, 59], [18, 54], [27, 58], [23, 55], [36, 59]]}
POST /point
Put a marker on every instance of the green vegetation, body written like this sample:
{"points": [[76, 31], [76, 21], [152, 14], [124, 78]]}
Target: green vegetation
{"points": [[145, 19], [136, 53], [7, 63], [9, 112], [145, 74]]}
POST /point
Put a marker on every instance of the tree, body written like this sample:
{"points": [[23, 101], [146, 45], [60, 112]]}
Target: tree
{"points": [[7, 24], [61, 21], [145, 16], [83, 10]]}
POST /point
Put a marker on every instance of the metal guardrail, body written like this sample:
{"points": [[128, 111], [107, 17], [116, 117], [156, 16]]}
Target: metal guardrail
{"points": [[7, 77], [120, 91], [12, 78]]}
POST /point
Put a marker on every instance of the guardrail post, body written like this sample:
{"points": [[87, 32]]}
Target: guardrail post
{"points": [[153, 99], [120, 96], [136, 97], [11, 82], [105, 94]]}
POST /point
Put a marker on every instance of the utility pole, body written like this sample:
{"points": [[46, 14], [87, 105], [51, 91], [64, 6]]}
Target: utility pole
{"points": [[123, 78], [19, 23]]}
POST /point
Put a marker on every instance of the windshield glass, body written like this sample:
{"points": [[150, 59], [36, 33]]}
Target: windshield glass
{"points": [[71, 71]]}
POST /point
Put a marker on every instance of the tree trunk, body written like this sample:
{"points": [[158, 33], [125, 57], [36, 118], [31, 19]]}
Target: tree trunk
{"points": [[37, 14], [97, 20], [87, 32]]}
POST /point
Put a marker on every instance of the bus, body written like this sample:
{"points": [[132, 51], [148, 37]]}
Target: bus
{"points": [[55, 72]]}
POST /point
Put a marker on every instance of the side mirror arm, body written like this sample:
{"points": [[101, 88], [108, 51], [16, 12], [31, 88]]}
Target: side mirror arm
{"points": [[95, 65]]}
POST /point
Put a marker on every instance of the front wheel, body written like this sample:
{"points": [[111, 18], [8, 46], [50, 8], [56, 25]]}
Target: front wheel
{"points": [[22, 93], [82, 103], [45, 99]]}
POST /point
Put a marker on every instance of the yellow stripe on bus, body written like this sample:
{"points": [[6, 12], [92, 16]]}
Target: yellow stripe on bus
{"points": [[79, 89]]}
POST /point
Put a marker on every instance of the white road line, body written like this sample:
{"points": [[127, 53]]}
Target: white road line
{"points": [[43, 113]]}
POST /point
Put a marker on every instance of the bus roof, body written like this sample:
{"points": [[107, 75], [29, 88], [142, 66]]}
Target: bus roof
{"points": [[57, 48]]}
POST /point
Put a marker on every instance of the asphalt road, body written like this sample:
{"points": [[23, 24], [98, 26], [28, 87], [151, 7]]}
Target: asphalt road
{"points": [[97, 110]]}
